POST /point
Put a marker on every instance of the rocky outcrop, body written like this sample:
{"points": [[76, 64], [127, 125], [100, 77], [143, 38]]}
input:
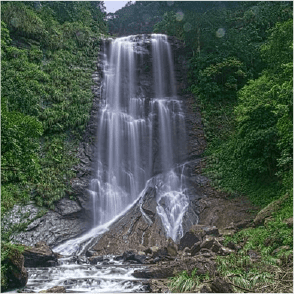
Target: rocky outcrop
{"points": [[268, 211], [40, 256], [67, 221], [138, 228], [16, 275]]}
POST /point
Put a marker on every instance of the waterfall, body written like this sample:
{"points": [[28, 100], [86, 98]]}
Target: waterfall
{"points": [[140, 145], [140, 134]]}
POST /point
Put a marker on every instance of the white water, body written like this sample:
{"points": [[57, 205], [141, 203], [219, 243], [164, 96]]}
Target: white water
{"points": [[137, 132]]}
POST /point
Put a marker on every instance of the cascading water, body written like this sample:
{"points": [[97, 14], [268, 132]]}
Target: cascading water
{"points": [[136, 130], [141, 143]]}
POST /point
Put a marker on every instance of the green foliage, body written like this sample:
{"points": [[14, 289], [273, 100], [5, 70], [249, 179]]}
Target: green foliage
{"points": [[8, 250], [220, 80], [273, 242], [19, 145], [183, 282], [169, 25], [48, 54], [57, 170], [22, 21]]}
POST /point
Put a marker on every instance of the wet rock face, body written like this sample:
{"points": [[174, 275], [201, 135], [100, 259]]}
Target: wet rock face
{"points": [[16, 274], [53, 228], [139, 228]]}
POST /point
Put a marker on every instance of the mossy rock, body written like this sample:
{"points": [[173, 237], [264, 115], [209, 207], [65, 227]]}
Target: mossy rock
{"points": [[269, 210]]}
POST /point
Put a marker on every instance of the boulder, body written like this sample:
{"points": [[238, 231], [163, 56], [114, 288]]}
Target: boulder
{"points": [[171, 268], [195, 248], [56, 289], [225, 251], [205, 289], [172, 248], [188, 240], [269, 210], [289, 222], [16, 274], [161, 252], [132, 257], [242, 224], [39, 256], [216, 247], [220, 286], [207, 242], [203, 230], [95, 259]]}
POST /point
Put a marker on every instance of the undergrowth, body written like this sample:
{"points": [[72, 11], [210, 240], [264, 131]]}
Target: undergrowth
{"points": [[184, 282]]}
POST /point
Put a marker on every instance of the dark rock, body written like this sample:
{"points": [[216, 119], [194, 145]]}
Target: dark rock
{"points": [[188, 240], [56, 289], [172, 248], [39, 256], [16, 274], [203, 230], [95, 259], [67, 207], [205, 289], [232, 245], [207, 242], [90, 253], [131, 256], [82, 259], [18, 215], [171, 268], [225, 251], [242, 224], [195, 248], [118, 257], [220, 286], [161, 252], [216, 247]]}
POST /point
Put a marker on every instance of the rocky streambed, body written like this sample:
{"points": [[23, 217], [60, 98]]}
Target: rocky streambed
{"points": [[114, 263], [132, 271]]}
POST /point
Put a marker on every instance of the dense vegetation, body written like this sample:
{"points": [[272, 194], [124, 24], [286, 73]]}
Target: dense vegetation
{"points": [[140, 17], [48, 54]]}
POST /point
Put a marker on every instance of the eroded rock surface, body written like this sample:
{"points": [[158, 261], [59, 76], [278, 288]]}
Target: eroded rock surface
{"points": [[139, 228], [39, 256], [53, 228]]}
